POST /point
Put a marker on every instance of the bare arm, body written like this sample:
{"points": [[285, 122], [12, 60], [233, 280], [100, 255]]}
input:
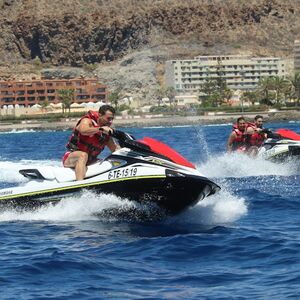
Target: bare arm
{"points": [[112, 145], [230, 141], [86, 127], [250, 130]]}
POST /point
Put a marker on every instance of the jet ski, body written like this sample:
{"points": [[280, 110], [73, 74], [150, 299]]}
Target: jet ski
{"points": [[145, 171], [280, 146]]}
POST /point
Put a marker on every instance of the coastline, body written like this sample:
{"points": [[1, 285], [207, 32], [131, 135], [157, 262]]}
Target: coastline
{"points": [[68, 124]]}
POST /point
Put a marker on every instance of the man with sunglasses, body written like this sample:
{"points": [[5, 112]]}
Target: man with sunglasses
{"points": [[89, 137]]}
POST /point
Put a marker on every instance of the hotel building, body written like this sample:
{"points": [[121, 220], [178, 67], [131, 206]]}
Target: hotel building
{"points": [[27, 93], [239, 72]]}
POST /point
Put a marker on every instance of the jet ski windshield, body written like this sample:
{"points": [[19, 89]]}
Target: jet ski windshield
{"points": [[151, 146]]}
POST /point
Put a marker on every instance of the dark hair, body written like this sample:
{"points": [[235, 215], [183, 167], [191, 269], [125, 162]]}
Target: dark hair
{"points": [[258, 117], [104, 108], [239, 119]]}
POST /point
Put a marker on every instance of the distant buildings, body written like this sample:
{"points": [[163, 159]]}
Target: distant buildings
{"points": [[32, 92], [297, 55], [240, 72]]}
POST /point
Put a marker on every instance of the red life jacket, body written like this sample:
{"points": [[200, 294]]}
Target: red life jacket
{"points": [[256, 139], [91, 144], [239, 143]]}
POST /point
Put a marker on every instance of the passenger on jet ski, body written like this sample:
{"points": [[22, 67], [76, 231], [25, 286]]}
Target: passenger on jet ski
{"points": [[238, 140], [89, 137], [256, 135]]}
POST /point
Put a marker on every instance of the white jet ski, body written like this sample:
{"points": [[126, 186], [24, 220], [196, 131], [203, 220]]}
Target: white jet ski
{"points": [[145, 171], [281, 146]]}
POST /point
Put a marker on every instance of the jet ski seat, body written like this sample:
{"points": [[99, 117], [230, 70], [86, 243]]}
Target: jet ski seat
{"points": [[61, 174]]}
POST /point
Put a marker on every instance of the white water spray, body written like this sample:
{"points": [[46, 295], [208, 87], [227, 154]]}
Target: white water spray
{"points": [[241, 165]]}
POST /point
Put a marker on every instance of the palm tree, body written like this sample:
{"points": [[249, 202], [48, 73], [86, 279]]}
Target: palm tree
{"points": [[295, 87], [44, 104], [66, 96], [227, 94], [280, 86], [265, 85], [170, 93], [114, 97], [160, 94], [250, 96], [209, 88]]}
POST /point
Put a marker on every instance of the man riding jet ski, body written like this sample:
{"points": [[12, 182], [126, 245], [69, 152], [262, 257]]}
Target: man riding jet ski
{"points": [[246, 137], [145, 171], [88, 139]]}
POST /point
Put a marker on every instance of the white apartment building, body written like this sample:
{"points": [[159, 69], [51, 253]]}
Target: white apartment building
{"points": [[240, 72], [297, 55]]}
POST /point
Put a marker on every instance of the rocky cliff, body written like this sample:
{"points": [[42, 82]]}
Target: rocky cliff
{"points": [[122, 35]]}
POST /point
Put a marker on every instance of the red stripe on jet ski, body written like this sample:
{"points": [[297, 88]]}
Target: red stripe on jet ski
{"points": [[289, 134], [167, 151]]}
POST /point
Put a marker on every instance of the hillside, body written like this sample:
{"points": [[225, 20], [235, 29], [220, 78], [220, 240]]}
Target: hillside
{"points": [[126, 42]]}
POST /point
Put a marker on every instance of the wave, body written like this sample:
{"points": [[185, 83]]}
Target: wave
{"points": [[240, 165], [17, 131], [221, 208]]}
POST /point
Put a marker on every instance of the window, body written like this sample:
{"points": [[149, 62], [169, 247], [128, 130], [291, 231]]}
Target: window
{"points": [[100, 97], [8, 100]]}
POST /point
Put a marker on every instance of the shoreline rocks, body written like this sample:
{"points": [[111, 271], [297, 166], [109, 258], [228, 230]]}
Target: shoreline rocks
{"points": [[153, 122]]}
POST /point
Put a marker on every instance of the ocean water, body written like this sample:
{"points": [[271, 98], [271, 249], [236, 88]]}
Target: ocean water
{"points": [[242, 243]]}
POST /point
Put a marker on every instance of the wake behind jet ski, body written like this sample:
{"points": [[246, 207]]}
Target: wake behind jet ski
{"points": [[280, 146], [145, 171]]}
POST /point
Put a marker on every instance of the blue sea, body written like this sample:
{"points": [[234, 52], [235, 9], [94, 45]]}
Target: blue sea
{"points": [[242, 243]]}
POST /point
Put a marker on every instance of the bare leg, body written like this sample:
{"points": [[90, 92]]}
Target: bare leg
{"points": [[77, 160]]}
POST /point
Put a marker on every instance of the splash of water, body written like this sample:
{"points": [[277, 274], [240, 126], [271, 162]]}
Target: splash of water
{"points": [[219, 209], [240, 165], [202, 141], [17, 131], [84, 207]]}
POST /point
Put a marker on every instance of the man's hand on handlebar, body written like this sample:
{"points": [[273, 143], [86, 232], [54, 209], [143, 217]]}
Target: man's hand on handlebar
{"points": [[106, 130]]}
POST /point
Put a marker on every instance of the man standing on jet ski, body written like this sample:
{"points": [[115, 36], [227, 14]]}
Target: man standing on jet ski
{"points": [[89, 137]]}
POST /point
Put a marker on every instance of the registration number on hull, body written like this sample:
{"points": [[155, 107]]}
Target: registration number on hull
{"points": [[127, 172]]}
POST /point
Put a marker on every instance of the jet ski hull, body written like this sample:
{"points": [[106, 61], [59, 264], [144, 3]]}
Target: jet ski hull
{"points": [[172, 193], [280, 150], [135, 172]]}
